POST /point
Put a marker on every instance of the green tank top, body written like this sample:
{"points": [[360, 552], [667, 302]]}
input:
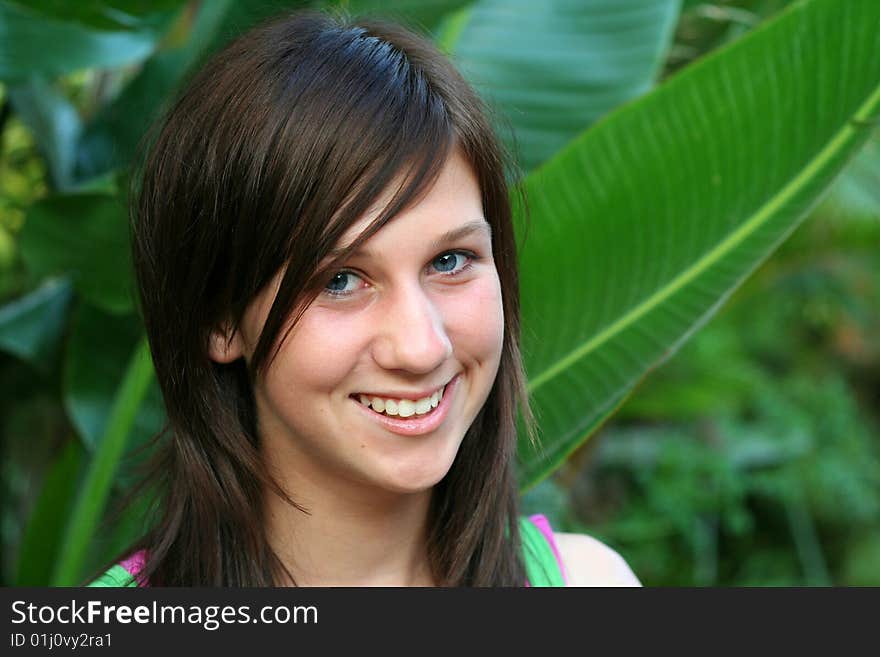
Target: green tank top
{"points": [[540, 554]]}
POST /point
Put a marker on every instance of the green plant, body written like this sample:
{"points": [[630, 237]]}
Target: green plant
{"points": [[751, 457]]}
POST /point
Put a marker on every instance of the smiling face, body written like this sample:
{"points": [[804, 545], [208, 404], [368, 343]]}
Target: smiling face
{"points": [[417, 308]]}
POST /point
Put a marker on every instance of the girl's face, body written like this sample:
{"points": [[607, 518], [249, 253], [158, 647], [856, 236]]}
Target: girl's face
{"points": [[419, 308]]}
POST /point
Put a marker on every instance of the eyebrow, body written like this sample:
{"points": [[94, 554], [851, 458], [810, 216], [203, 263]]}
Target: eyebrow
{"points": [[449, 236]]}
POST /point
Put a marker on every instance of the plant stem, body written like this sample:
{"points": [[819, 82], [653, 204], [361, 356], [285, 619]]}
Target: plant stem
{"points": [[95, 489]]}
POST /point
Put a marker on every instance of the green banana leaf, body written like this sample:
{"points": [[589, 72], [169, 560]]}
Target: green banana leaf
{"points": [[31, 327], [643, 226], [54, 123], [420, 14], [31, 44], [104, 14], [84, 235], [857, 194], [98, 349], [572, 62]]}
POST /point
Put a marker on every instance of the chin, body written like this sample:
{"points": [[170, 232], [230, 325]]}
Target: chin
{"points": [[416, 479]]}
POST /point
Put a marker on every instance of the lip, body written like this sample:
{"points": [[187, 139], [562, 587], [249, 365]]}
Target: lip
{"points": [[415, 425]]}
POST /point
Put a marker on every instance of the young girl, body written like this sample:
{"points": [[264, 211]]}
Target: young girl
{"points": [[327, 271]]}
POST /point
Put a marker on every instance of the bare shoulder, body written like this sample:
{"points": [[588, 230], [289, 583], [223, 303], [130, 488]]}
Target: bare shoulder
{"points": [[589, 562]]}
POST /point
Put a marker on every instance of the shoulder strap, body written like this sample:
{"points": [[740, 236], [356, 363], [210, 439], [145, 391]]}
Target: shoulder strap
{"points": [[543, 566], [117, 576], [124, 574]]}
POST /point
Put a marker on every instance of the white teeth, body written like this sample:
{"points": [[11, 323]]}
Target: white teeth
{"points": [[403, 407]]}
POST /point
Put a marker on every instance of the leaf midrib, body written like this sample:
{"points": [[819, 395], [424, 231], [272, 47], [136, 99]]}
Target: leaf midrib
{"points": [[734, 239]]}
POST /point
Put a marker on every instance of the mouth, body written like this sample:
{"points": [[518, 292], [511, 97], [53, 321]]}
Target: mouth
{"points": [[400, 407], [409, 417]]}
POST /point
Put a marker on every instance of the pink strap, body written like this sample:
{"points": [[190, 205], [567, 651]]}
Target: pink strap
{"points": [[134, 564], [540, 521]]}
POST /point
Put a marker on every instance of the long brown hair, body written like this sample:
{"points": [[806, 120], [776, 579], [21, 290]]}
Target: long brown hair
{"points": [[276, 147]]}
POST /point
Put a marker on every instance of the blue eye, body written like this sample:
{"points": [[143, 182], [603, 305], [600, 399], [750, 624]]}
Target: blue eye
{"points": [[446, 262], [338, 285]]}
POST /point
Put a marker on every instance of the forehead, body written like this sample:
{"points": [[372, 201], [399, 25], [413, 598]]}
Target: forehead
{"points": [[450, 208]]}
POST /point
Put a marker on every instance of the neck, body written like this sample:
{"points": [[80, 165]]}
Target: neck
{"points": [[350, 534]]}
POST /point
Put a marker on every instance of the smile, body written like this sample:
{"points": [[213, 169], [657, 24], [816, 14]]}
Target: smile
{"points": [[403, 407], [409, 417]]}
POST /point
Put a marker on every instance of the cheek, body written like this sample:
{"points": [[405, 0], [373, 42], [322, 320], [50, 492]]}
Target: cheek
{"points": [[318, 354], [476, 319]]}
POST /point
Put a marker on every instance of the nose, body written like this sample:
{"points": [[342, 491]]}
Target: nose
{"points": [[411, 334]]}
